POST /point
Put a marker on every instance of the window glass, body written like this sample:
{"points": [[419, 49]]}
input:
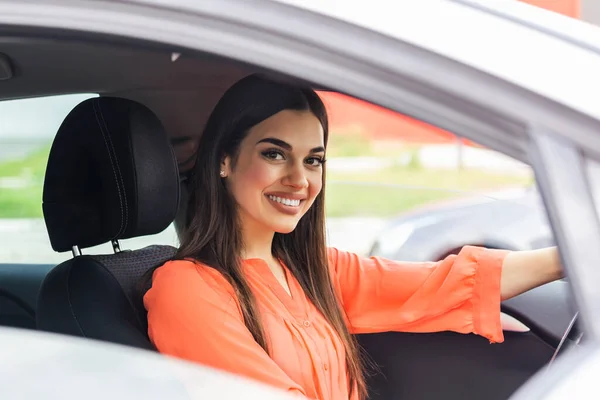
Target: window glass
{"points": [[396, 187], [402, 189]]}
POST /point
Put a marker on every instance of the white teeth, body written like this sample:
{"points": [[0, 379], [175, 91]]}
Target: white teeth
{"points": [[287, 202]]}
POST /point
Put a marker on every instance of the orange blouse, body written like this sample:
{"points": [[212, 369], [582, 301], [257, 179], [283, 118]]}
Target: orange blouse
{"points": [[193, 314]]}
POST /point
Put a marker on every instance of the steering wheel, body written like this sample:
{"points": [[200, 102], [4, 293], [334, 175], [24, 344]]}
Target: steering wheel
{"points": [[571, 337]]}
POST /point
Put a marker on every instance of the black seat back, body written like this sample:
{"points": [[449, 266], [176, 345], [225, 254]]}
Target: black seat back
{"points": [[111, 175]]}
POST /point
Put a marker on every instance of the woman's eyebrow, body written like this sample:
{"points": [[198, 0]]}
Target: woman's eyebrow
{"points": [[287, 146], [276, 142]]}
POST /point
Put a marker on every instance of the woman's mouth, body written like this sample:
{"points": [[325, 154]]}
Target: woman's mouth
{"points": [[285, 205], [284, 201]]}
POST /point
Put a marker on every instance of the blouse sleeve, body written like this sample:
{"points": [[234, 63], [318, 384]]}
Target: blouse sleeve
{"points": [[460, 293], [193, 315]]}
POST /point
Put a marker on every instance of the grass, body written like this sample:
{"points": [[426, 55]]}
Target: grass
{"points": [[352, 143], [348, 194], [21, 203], [24, 202], [391, 191], [34, 164], [359, 195]]}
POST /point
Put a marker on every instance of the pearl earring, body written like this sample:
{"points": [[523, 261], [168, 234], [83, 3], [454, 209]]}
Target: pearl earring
{"points": [[222, 173]]}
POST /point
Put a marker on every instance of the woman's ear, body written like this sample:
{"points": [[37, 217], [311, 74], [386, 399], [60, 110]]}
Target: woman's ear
{"points": [[225, 167]]}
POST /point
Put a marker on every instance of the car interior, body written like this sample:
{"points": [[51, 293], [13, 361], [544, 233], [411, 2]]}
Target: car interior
{"points": [[117, 170]]}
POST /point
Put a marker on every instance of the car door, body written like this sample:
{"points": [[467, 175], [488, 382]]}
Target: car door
{"points": [[391, 69]]}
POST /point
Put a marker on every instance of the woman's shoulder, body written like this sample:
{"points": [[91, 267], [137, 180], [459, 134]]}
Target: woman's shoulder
{"points": [[188, 273], [188, 288]]}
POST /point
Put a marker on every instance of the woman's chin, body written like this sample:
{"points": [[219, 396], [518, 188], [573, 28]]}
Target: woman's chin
{"points": [[284, 229]]}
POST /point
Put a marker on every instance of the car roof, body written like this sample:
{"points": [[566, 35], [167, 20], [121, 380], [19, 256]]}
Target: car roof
{"points": [[490, 41], [181, 92], [548, 53]]}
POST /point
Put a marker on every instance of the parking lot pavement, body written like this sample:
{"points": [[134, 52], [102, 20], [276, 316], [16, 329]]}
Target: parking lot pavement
{"points": [[26, 240]]}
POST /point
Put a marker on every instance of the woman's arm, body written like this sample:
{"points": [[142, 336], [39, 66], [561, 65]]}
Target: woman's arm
{"points": [[525, 270], [460, 293]]}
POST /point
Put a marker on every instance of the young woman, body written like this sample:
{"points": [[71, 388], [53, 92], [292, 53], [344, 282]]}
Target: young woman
{"points": [[255, 291]]}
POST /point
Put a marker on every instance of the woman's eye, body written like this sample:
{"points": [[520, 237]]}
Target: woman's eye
{"points": [[314, 161], [273, 155]]}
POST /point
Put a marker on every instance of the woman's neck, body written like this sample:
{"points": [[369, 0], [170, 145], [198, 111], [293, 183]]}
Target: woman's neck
{"points": [[257, 244]]}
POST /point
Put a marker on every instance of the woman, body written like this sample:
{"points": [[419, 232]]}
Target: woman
{"points": [[255, 291]]}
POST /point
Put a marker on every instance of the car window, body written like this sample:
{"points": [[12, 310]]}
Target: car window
{"points": [[396, 187], [27, 128], [401, 189]]}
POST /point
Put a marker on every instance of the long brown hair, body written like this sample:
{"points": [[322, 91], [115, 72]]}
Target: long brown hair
{"points": [[212, 233]]}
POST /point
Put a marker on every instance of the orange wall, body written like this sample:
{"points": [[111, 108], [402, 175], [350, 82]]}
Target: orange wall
{"points": [[350, 115], [570, 8]]}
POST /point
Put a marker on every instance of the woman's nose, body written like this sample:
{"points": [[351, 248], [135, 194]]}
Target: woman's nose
{"points": [[296, 177]]}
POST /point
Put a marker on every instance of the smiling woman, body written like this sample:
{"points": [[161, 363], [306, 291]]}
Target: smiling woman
{"points": [[267, 141], [276, 175], [253, 274]]}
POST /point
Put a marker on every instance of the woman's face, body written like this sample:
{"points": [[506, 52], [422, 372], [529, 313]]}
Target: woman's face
{"points": [[278, 172]]}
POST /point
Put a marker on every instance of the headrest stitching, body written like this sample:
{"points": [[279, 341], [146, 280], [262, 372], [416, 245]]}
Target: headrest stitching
{"points": [[110, 148], [176, 171], [126, 219]]}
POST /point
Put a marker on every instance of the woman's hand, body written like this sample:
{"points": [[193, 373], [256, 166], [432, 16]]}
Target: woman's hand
{"points": [[525, 270]]}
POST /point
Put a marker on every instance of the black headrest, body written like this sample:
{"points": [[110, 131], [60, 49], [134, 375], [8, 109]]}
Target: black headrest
{"points": [[111, 175]]}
